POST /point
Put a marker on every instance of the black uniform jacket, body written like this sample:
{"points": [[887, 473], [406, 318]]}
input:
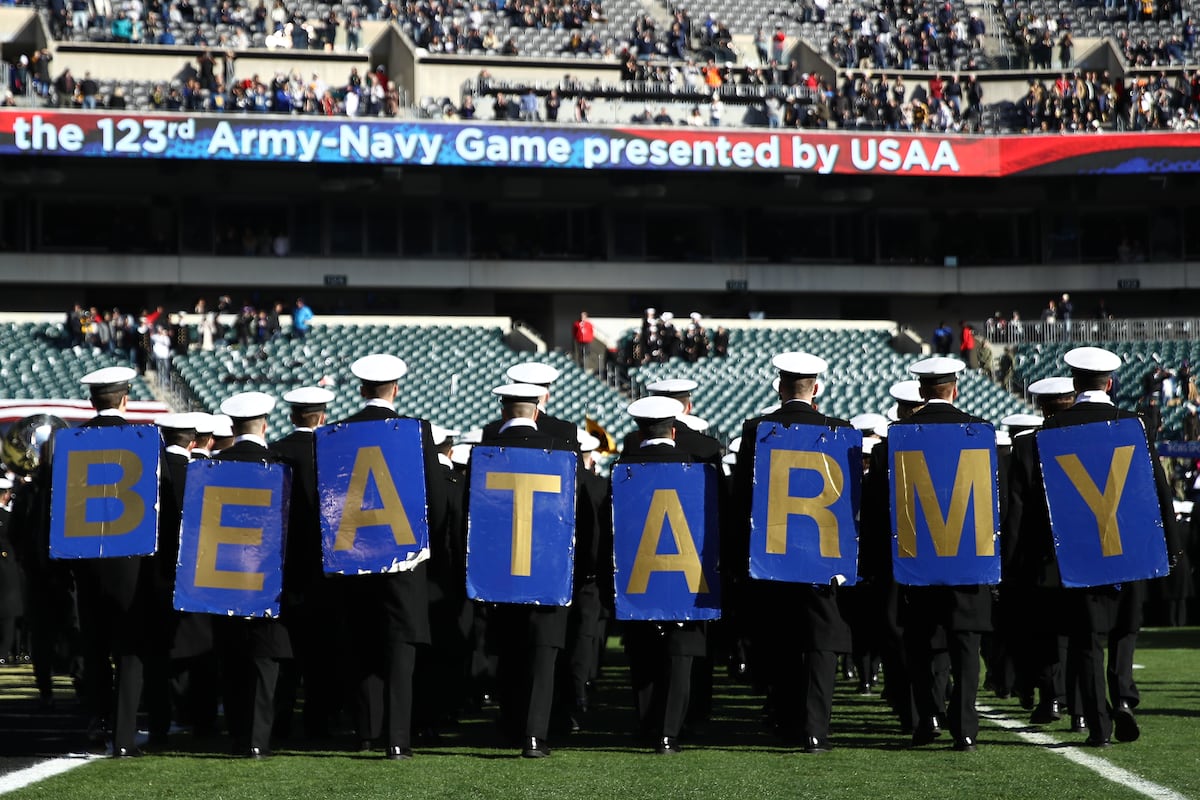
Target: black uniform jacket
{"points": [[1029, 544], [964, 608], [302, 559], [546, 625], [257, 637], [812, 611], [565, 433], [700, 446], [402, 597], [687, 638]]}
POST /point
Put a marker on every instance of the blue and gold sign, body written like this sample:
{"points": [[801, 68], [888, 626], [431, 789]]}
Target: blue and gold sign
{"points": [[945, 504], [104, 494], [521, 526], [804, 509], [232, 538], [665, 540], [1104, 510], [371, 488]]}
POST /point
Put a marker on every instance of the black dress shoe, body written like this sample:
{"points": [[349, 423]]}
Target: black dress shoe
{"points": [[1125, 726], [399, 754], [257, 753], [126, 752], [813, 745], [668, 746], [535, 748], [1046, 713], [1078, 723], [965, 744], [926, 732], [1096, 741]]}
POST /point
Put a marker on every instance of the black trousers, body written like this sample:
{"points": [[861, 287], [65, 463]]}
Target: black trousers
{"points": [[962, 651], [1085, 669], [388, 696], [1121, 686], [249, 691]]}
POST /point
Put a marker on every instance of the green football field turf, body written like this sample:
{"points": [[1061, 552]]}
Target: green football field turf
{"points": [[731, 757]]}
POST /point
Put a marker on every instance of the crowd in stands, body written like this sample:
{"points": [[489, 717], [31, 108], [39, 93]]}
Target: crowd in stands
{"points": [[205, 23], [659, 339], [152, 338], [908, 35], [213, 86]]}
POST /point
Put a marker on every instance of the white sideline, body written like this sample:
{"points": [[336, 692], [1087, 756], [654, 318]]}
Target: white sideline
{"points": [[39, 772], [1102, 767]]}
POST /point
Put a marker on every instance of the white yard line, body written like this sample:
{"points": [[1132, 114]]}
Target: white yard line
{"points": [[1102, 767], [39, 772]]}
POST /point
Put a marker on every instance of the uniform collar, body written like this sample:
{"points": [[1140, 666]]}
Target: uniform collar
{"points": [[179, 451], [110, 412], [379, 402], [250, 437], [518, 422], [939, 401], [199, 452], [445, 461], [1093, 396], [669, 442], [302, 430]]}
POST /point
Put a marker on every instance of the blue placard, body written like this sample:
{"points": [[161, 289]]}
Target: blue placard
{"points": [[945, 504], [104, 492], [1103, 504], [804, 508], [521, 526], [232, 538], [666, 526], [371, 488]]}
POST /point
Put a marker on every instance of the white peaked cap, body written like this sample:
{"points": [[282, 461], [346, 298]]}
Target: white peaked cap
{"points": [[867, 421], [460, 453], [379, 368], [655, 407], [532, 372], [908, 392], [1049, 387], [587, 442], [109, 376], [1092, 359], [1022, 421], [798, 363], [672, 386], [939, 369], [308, 396], [440, 434], [176, 422], [519, 392], [248, 405], [222, 426]]}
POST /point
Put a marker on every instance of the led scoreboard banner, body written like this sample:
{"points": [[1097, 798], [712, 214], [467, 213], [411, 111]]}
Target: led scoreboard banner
{"points": [[347, 140]]}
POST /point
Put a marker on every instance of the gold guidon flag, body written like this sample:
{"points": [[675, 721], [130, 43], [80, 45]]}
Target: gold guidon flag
{"points": [[607, 443]]}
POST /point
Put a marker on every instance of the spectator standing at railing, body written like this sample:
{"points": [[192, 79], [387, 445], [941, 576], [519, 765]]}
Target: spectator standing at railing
{"points": [[354, 31], [966, 346], [89, 90]]}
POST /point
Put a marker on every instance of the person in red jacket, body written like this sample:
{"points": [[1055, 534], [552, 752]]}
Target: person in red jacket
{"points": [[583, 334]]}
